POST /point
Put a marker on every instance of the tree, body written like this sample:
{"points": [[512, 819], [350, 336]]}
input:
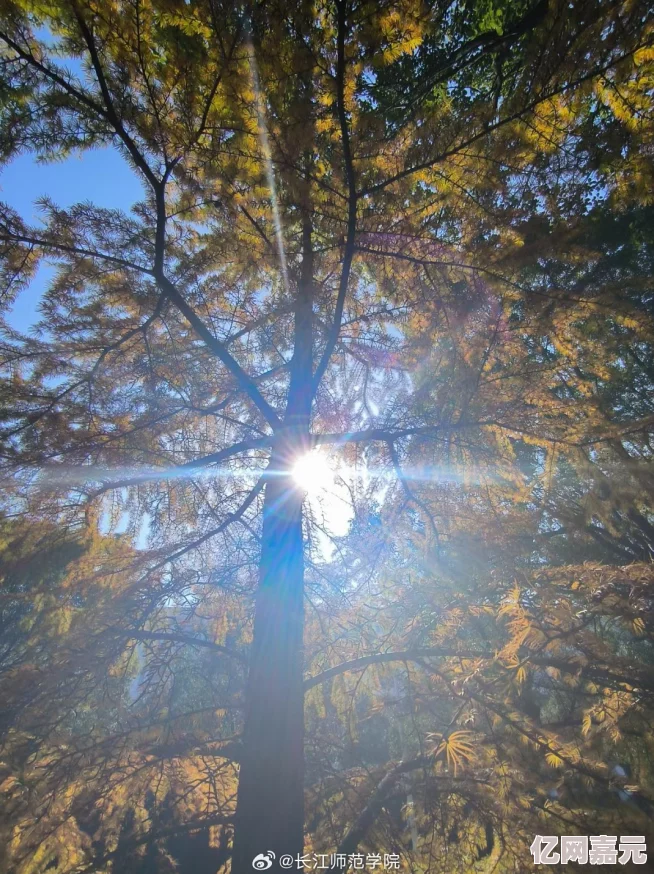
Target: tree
{"points": [[374, 227]]}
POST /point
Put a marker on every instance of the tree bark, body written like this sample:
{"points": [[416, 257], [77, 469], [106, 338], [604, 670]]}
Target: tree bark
{"points": [[270, 806]]}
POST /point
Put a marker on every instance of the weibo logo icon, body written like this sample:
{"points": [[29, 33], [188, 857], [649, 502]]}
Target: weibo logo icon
{"points": [[263, 861]]}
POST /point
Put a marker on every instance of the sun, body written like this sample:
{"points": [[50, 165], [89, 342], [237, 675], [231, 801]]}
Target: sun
{"points": [[328, 498], [312, 473]]}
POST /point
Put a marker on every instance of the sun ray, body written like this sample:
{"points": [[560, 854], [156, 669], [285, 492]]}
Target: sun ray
{"points": [[267, 157]]}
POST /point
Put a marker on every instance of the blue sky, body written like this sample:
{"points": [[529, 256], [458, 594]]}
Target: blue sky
{"points": [[99, 175]]}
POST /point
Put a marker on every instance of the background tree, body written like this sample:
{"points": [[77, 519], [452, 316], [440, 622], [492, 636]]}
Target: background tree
{"points": [[380, 228]]}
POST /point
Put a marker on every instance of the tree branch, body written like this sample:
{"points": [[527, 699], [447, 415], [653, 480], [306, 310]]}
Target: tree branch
{"points": [[366, 818], [227, 452], [213, 343], [383, 435], [382, 658], [411, 495], [174, 472], [593, 672], [187, 640], [110, 111], [490, 128], [7, 237]]}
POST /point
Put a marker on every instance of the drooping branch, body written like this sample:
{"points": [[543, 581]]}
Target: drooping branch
{"points": [[245, 383], [593, 671], [192, 825], [363, 662], [154, 475], [33, 418], [411, 495], [236, 516], [383, 435], [65, 249], [368, 815], [186, 640], [228, 452], [212, 343], [479, 47], [500, 123], [52, 75], [486, 271]]}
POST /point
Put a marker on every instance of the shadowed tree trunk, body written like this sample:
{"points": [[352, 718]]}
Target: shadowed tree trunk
{"points": [[270, 808]]}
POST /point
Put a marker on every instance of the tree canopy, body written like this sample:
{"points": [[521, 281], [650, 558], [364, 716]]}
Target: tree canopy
{"points": [[327, 523]]}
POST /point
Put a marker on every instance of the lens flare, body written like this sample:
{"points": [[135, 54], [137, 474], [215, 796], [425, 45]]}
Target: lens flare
{"points": [[312, 473]]}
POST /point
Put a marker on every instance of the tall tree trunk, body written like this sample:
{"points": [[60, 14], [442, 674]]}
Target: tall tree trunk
{"points": [[270, 805], [270, 809]]}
